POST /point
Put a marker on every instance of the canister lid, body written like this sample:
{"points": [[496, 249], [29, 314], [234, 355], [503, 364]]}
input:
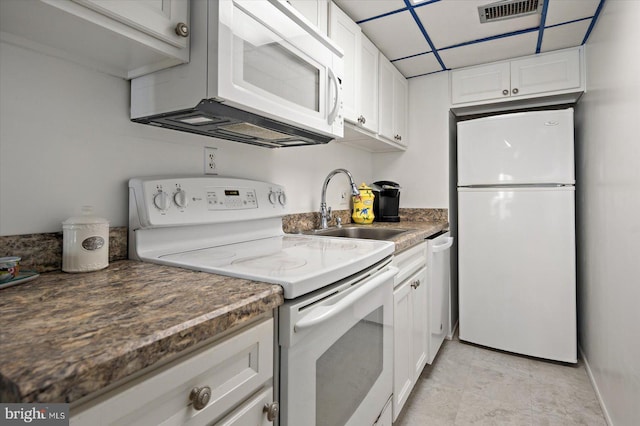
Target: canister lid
{"points": [[86, 218]]}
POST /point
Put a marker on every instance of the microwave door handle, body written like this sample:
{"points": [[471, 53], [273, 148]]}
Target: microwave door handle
{"points": [[325, 313], [334, 112], [443, 247]]}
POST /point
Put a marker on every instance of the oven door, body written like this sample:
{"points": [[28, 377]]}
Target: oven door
{"points": [[272, 61], [336, 354]]}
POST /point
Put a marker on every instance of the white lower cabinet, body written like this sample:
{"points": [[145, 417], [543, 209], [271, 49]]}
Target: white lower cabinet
{"points": [[236, 373], [411, 323]]}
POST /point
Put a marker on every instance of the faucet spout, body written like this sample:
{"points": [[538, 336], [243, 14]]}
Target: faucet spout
{"points": [[325, 214]]}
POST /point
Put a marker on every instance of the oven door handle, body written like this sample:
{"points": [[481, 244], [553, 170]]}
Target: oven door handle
{"points": [[325, 313]]}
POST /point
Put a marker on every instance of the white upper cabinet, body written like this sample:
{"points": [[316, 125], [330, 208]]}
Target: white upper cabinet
{"points": [[119, 37], [374, 91], [547, 74], [347, 35], [315, 11], [393, 98], [551, 72], [368, 90]]}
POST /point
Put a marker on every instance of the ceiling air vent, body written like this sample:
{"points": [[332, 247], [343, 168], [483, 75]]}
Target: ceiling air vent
{"points": [[508, 9]]}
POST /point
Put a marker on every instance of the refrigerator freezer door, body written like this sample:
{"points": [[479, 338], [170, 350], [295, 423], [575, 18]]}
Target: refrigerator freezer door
{"points": [[522, 148], [517, 284]]}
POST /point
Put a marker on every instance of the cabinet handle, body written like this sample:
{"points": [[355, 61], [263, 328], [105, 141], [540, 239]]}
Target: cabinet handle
{"points": [[182, 29], [200, 397], [272, 410], [415, 284], [364, 120], [505, 92], [515, 91]]}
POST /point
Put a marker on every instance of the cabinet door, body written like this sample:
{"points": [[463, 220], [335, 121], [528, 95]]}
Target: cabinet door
{"points": [[402, 352], [400, 107], [481, 83], [155, 18], [420, 307], [385, 97], [368, 88], [546, 73], [346, 34], [314, 10]]}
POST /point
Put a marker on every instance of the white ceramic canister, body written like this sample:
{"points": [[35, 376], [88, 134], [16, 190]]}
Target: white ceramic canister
{"points": [[85, 242]]}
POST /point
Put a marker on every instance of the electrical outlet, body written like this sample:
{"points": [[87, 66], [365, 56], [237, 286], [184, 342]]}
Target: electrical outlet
{"points": [[210, 161]]}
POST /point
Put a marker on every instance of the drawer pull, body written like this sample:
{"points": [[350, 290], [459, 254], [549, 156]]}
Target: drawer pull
{"points": [[272, 410], [200, 397], [415, 284]]}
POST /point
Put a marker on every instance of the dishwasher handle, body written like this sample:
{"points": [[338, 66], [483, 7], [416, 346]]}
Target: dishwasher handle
{"points": [[325, 313], [442, 247]]}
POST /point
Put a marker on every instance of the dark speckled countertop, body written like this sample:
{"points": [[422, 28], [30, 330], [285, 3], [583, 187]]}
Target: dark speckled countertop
{"points": [[64, 336], [417, 231]]}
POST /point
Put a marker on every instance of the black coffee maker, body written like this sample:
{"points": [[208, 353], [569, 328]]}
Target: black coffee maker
{"points": [[386, 203]]}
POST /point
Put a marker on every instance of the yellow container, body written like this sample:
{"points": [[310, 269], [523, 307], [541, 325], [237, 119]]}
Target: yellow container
{"points": [[363, 205]]}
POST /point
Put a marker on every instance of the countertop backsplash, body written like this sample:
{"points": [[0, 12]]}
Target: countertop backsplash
{"points": [[43, 252]]}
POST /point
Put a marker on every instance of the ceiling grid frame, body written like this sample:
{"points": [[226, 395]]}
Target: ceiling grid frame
{"points": [[395, 7]]}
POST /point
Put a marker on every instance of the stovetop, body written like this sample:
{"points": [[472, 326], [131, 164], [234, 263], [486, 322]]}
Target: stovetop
{"points": [[233, 227]]}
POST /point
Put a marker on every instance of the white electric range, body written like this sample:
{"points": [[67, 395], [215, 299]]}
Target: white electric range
{"points": [[335, 328], [233, 227]]}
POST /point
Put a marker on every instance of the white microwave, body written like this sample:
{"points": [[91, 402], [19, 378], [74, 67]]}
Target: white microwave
{"points": [[259, 73]]}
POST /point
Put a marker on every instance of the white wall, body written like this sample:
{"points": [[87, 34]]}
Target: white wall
{"points": [[66, 140], [423, 170], [608, 195]]}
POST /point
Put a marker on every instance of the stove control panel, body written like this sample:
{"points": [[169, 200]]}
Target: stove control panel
{"points": [[228, 198], [202, 199]]}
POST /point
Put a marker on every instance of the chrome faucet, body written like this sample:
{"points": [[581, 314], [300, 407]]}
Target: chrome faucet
{"points": [[325, 214]]}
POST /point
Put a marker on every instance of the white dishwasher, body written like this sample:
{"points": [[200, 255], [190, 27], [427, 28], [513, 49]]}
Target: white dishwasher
{"points": [[439, 279]]}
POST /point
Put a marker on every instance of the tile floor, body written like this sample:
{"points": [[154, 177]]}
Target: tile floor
{"points": [[471, 385]]}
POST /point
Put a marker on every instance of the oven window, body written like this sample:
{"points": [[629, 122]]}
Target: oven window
{"points": [[348, 369]]}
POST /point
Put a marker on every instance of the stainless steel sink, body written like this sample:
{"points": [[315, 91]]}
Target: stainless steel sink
{"points": [[359, 232]]}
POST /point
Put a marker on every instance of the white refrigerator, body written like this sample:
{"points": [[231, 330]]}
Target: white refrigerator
{"points": [[516, 233]]}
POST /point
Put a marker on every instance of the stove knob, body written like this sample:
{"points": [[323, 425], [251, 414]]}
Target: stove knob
{"points": [[273, 197], [282, 199], [161, 200], [180, 198]]}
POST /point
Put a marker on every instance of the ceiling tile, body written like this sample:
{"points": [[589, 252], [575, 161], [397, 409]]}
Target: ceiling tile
{"points": [[397, 35], [450, 22], [560, 11], [418, 65], [359, 10], [563, 36], [489, 51]]}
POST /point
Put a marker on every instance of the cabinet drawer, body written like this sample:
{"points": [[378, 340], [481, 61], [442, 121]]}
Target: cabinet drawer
{"points": [[233, 369], [409, 261], [252, 412]]}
